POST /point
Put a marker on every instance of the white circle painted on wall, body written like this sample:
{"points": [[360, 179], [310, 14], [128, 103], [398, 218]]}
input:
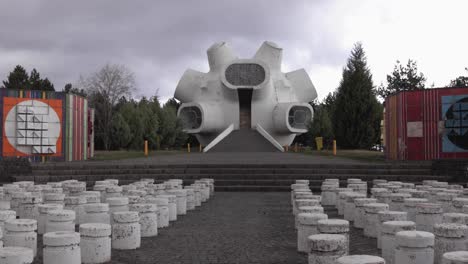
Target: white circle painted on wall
{"points": [[43, 111]]}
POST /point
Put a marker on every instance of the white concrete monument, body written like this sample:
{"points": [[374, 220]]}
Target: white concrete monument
{"points": [[245, 95]]}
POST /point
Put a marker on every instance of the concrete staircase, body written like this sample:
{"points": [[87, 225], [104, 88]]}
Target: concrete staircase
{"points": [[231, 177], [244, 140]]}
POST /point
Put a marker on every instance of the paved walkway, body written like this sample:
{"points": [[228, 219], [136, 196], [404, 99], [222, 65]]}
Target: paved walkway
{"points": [[231, 228]]}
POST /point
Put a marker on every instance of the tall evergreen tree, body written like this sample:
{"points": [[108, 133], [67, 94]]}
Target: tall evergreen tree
{"points": [[403, 78], [35, 81], [17, 79], [356, 109]]}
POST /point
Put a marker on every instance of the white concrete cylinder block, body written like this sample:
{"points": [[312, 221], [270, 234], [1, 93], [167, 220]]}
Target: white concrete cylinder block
{"points": [[446, 198], [359, 187], [374, 190], [397, 201], [172, 205], [377, 181], [97, 213], [414, 247], [360, 259], [353, 180], [383, 196], [95, 243], [76, 203], [359, 213], [16, 200], [410, 205], [455, 218], [113, 181], [388, 237], [433, 193], [60, 220], [140, 193], [458, 204], [44, 209], [21, 233], [117, 204], [428, 215], [307, 226], [342, 201], [449, 237], [181, 200], [328, 195], [349, 207], [420, 194], [113, 191], [62, 247], [4, 205], [386, 216], [307, 209], [306, 182], [372, 218], [148, 218], [16, 255], [24, 184], [190, 199], [76, 190], [91, 198], [102, 190], [28, 207], [197, 195], [126, 230], [6, 215], [335, 226], [134, 199], [455, 257], [337, 195], [304, 202], [408, 185], [163, 212], [54, 198], [326, 248]]}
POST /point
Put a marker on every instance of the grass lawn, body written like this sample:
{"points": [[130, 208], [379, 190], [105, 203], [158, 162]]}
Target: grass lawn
{"points": [[131, 154], [356, 154]]}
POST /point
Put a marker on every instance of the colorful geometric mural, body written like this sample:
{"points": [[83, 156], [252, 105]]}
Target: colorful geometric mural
{"points": [[427, 124], [45, 125]]}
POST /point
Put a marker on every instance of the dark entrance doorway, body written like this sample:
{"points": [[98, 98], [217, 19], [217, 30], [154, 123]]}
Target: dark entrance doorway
{"points": [[245, 105]]}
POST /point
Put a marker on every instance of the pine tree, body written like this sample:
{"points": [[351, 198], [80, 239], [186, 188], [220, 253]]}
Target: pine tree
{"points": [[357, 112], [35, 81], [17, 79]]}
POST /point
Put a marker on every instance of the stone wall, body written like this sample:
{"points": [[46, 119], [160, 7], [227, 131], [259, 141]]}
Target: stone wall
{"points": [[10, 166]]}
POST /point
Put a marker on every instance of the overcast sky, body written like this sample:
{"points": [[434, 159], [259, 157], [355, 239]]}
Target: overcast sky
{"points": [[159, 40]]}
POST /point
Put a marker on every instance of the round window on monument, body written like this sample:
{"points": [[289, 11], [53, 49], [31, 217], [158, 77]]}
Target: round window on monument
{"points": [[191, 117], [299, 117], [245, 74]]}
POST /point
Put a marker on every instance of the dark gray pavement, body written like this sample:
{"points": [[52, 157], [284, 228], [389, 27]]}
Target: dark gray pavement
{"points": [[232, 228]]}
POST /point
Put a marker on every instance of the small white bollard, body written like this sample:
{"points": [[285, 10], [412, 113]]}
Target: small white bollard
{"points": [[386, 216], [16, 255], [455, 257], [60, 220], [113, 191], [388, 237], [342, 201], [359, 213], [335, 226], [95, 243], [458, 204], [21, 233], [349, 207], [172, 205], [96, 213], [190, 199], [455, 218], [372, 218], [54, 198], [410, 205], [325, 248], [304, 202], [428, 215], [328, 195], [307, 209], [117, 204], [62, 247], [181, 200], [397, 201], [27, 208], [148, 218], [76, 203], [5, 216], [360, 259], [163, 212], [446, 198], [414, 247], [307, 226], [126, 230], [449, 237], [44, 209]]}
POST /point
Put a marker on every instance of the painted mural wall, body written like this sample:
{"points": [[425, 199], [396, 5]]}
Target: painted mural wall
{"points": [[46, 126], [427, 124]]}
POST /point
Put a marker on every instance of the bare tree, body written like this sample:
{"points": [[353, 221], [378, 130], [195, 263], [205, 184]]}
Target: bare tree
{"points": [[107, 86]]}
